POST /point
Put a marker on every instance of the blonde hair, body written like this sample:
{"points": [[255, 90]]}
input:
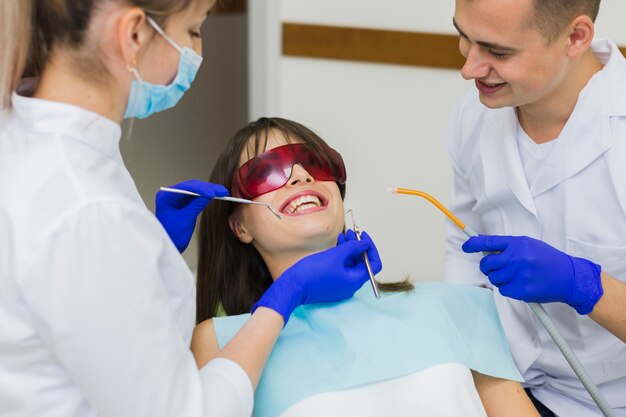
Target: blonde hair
{"points": [[15, 17], [29, 29]]}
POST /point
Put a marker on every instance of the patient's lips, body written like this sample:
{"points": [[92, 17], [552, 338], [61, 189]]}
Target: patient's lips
{"points": [[304, 202]]}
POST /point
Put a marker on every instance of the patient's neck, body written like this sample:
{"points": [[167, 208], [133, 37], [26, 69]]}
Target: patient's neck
{"points": [[279, 263]]}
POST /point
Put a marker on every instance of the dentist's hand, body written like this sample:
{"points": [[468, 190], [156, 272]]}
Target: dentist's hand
{"points": [[372, 252], [329, 276], [530, 270], [178, 212]]}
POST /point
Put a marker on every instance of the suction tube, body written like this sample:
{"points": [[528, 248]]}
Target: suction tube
{"points": [[538, 309]]}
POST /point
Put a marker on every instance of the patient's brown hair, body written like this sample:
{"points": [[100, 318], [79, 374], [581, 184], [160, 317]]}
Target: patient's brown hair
{"points": [[232, 275]]}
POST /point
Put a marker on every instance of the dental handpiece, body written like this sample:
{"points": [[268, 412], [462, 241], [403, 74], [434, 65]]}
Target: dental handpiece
{"points": [[536, 308], [231, 199], [366, 259]]}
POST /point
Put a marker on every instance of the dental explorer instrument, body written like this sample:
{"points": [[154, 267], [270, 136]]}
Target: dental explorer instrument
{"points": [[537, 308], [232, 199], [357, 232]]}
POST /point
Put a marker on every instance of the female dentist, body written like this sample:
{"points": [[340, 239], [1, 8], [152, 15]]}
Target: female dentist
{"points": [[97, 306]]}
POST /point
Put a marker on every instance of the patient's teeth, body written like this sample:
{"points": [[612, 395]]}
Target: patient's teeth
{"points": [[305, 206], [304, 203]]}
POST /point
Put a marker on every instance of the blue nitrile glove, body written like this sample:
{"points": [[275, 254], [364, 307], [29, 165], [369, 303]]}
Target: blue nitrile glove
{"points": [[530, 270], [329, 276], [178, 212]]}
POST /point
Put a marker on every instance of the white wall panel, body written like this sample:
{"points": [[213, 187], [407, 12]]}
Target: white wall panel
{"points": [[411, 15], [610, 23], [389, 124]]}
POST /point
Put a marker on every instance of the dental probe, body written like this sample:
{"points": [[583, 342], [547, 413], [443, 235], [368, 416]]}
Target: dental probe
{"points": [[538, 309], [357, 232], [232, 199]]}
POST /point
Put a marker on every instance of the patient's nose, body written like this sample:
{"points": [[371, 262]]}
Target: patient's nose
{"points": [[299, 174]]}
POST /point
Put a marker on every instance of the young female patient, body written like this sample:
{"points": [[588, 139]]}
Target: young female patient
{"points": [[437, 350]]}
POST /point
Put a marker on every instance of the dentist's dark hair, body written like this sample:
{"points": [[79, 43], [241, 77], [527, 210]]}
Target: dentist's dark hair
{"points": [[232, 275], [31, 29], [552, 16]]}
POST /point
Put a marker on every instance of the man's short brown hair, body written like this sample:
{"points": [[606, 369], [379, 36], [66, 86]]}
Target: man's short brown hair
{"points": [[552, 16]]}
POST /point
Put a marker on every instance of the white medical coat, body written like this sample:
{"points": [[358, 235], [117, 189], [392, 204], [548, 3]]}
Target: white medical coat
{"points": [[97, 306], [577, 204]]}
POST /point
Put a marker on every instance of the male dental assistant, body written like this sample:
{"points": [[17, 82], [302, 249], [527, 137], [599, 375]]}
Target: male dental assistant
{"points": [[538, 150]]}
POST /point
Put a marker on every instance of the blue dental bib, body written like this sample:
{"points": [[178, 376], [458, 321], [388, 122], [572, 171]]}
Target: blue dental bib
{"points": [[334, 346]]}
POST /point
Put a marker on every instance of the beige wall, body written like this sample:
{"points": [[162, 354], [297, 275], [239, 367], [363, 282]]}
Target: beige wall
{"points": [[183, 143]]}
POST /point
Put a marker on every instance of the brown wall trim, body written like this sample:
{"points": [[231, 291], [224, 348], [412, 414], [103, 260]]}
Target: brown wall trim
{"points": [[373, 45]]}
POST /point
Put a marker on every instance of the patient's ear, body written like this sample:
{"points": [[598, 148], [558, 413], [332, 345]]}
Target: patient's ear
{"points": [[239, 229]]}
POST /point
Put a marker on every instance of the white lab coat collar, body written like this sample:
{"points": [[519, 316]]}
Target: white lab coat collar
{"points": [[583, 139], [44, 116], [614, 75]]}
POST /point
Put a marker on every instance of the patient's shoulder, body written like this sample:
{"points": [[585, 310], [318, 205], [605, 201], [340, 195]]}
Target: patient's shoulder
{"points": [[204, 343]]}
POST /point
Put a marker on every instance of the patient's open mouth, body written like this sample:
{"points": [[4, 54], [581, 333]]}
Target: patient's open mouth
{"points": [[304, 202]]}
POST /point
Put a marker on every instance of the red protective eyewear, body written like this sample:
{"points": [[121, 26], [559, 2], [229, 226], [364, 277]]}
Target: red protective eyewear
{"points": [[271, 170]]}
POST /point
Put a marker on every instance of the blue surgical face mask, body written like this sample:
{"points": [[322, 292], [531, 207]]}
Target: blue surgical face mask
{"points": [[146, 99]]}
